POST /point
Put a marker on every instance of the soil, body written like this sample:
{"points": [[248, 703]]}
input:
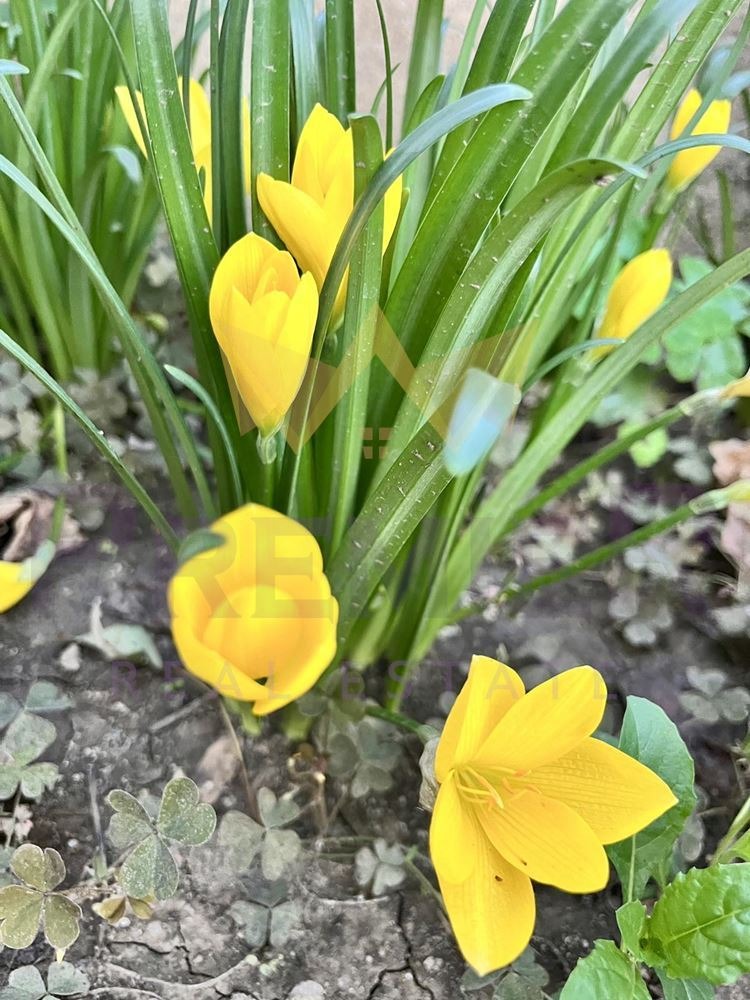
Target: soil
{"points": [[127, 728]]}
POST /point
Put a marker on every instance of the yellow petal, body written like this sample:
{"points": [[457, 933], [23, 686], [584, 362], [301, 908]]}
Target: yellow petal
{"points": [[17, 579], [548, 841], [490, 690], [547, 722], [491, 912], [616, 795], [314, 160], [200, 115], [689, 163], [638, 291], [454, 835], [301, 224], [128, 109]]}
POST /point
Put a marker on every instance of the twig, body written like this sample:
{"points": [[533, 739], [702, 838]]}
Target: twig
{"points": [[238, 749], [181, 713]]}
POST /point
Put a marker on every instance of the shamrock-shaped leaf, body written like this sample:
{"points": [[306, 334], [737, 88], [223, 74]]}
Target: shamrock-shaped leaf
{"points": [[42, 870], [365, 754], [240, 838], [382, 868], [25, 908], [276, 812], [63, 980], [280, 850], [25, 739], [261, 922], [116, 907], [182, 816], [44, 696], [150, 869]]}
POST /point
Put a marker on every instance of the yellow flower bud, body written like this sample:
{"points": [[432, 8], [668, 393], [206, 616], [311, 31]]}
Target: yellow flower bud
{"points": [[690, 162], [200, 132], [310, 213], [638, 291], [263, 314], [17, 578], [258, 608]]}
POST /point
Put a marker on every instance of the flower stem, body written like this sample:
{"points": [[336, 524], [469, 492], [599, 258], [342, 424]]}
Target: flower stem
{"points": [[424, 732]]}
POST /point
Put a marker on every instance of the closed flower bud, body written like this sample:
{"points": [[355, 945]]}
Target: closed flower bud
{"points": [[254, 617], [638, 291], [310, 213], [263, 314], [690, 162]]}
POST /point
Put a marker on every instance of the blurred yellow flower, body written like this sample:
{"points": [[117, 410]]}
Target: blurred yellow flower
{"points": [[17, 578], [637, 292], [527, 793], [715, 120], [200, 132], [310, 213], [738, 389], [256, 608], [263, 314]]}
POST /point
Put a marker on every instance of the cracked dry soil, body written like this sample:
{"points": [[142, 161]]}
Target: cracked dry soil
{"points": [[348, 946]]}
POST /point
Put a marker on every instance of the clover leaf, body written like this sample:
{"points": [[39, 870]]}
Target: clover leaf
{"points": [[26, 908], [27, 735], [150, 868], [63, 980], [381, 868], [268, 918], [242, 839], [365, 755]]}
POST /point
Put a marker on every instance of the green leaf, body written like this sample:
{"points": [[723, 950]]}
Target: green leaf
{"points": [[9, 708], [253, 918], [606, 972], [26, 738], [685, 989], [20, 914], [61, 917], [276, 812], [44, 696], [182, 816], [64, 980], [24, 984], [631, 919], [515, 987], [42, 870], [9, 67], [150, 870], [650, 737], [197, 542], [699, 927], [281, 849], [131, 823], [239, 840]]}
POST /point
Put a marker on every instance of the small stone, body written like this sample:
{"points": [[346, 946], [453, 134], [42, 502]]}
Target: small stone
{"points": [[308, 990]]}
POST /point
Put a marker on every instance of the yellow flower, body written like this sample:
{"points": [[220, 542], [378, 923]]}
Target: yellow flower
{"points": [[263, 314], [17, 578], [690, 162], [310, 213], [738, 389], [258, 607], [526, 793], [638, 291], [200, 132]]}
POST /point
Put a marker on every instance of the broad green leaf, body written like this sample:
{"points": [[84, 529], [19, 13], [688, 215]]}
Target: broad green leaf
{"points": [[651, 737], [61, 917], [20, 914], [699, 927], [40, 869], [686, 989], [182, 816], [150, 870], [631, 919], [606, 972]]}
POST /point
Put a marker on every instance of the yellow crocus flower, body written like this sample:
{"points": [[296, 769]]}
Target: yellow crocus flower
{"points": [[715, 120], [263, 314], [200, 132], [310, 213], [258, 608], [18, 578], [638, 291], [527, 793]]}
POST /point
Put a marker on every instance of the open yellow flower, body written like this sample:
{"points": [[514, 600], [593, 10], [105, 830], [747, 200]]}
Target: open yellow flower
{"points": [[258, 608], [200, 132], [263, 314], [18, 578], [526, 793], [637, 292], [310, 213], [687, 164]]}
